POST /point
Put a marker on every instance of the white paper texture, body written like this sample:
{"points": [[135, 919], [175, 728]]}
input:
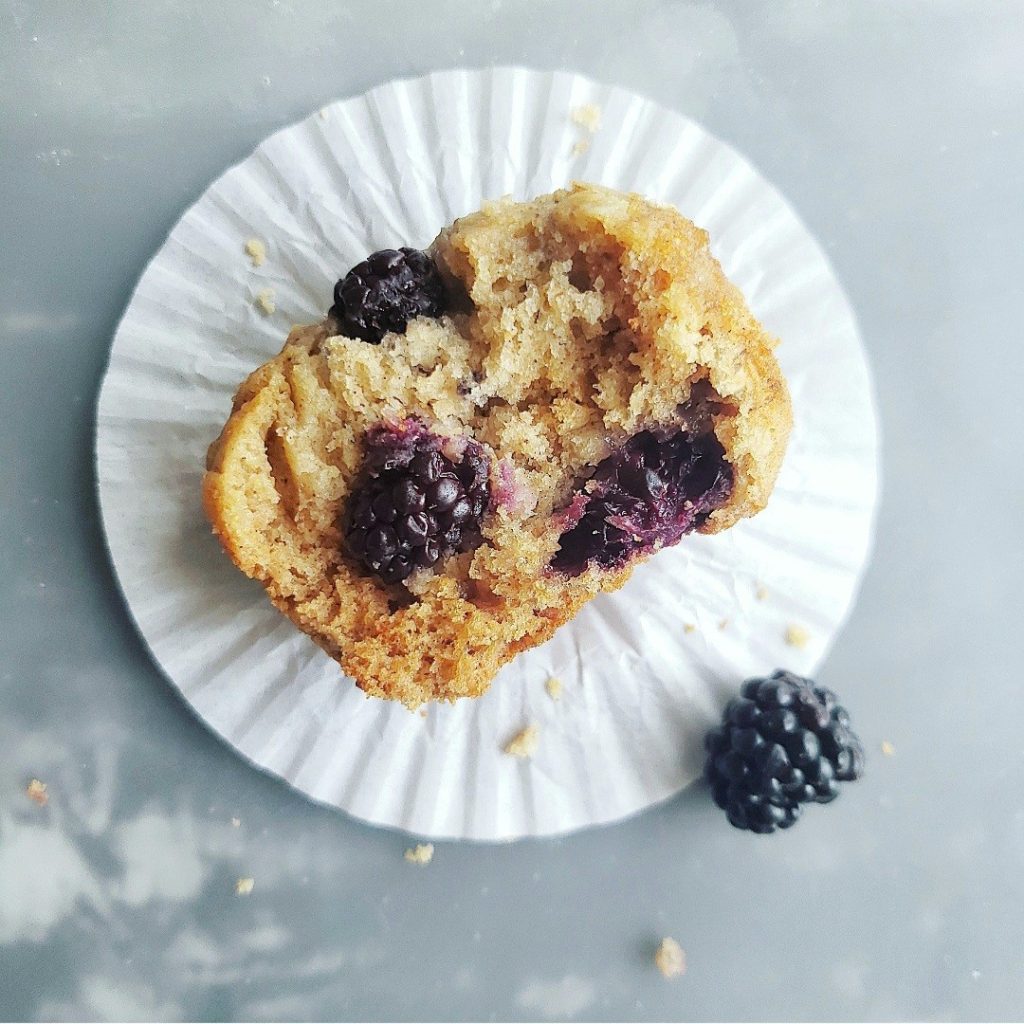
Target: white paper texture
{"points": [[391, 168]]}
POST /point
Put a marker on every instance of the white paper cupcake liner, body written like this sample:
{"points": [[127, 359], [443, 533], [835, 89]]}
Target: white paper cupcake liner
{"points": [[646, 670]]}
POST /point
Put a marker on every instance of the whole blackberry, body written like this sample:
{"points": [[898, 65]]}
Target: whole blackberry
{"points": [[387, 290], [657, 487], [783, 742], [415, 505]]}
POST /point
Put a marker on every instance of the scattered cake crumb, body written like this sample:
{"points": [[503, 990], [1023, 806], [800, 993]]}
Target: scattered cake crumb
{"points": [[670, 958], [36, 791], [587, 116], [554, 688], [323, 112], [580, 147], [524, 744], [236, 822], [797, 636], [689, 627], [762, 592], [423, 712], [723, 624], [256, 251], [244, 886], [265, 301], [887, 748], [421, 853]]}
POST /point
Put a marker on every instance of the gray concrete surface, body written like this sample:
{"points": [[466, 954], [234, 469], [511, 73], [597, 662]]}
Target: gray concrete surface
{"points": [[897, 131]]}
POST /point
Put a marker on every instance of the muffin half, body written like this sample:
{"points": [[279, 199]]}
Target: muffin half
{"points": [[479, 439]]}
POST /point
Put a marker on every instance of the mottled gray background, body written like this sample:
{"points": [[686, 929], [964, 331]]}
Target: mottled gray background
{"points": [[896, 132]]}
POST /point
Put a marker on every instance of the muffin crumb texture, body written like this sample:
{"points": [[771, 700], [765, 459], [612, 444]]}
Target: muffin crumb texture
{"points": [[587, 116], [554, 688], [670, 958], [38, 792], [593, 376], [265, 301], [244, 886], [256, 251], [421, 853], [797, 636], [524, 744]]}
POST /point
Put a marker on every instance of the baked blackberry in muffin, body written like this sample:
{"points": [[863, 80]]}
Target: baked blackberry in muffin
{"points": [[479, 439]]}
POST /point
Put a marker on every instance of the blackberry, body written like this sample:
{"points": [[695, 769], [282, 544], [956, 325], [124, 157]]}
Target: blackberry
{"points": [[387, 290], [416, 505], [783, 743], [657, 487]]}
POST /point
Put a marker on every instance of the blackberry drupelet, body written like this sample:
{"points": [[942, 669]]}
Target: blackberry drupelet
{"points": [[657, 487], [417, 503], [783, 742], [387, 290]]}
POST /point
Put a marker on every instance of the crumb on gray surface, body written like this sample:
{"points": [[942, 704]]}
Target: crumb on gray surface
{"points": [[37, 792], [421, 853], [670, 958]]}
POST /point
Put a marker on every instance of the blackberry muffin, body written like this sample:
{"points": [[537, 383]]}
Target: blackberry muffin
{"points": [[479, 439]]}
